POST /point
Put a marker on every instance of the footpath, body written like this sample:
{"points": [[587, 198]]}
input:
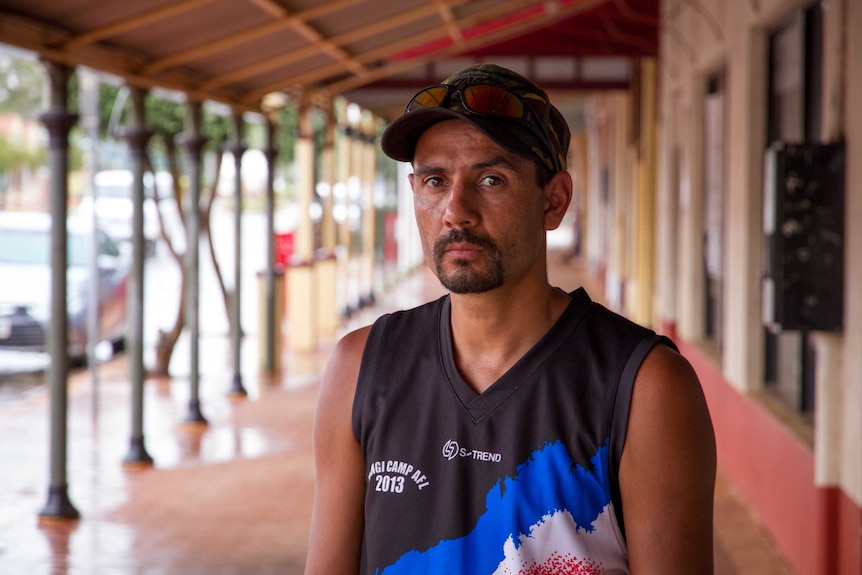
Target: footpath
{"points": [[231, 497]]}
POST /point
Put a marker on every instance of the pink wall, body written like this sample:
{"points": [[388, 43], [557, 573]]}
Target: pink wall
{"points": [[819, 530], [848, 540], [771, 468]]}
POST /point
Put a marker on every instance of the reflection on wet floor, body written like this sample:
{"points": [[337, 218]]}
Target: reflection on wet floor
{"points": [[210, 485], [13, 386], [20, 372]]}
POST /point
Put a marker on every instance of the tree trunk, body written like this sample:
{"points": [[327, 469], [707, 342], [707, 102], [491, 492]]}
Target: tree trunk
{"points": [[167, 340]]}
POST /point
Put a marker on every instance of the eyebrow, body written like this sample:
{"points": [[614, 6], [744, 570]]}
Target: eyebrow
{"points": [[494, 162], [423, 170]]}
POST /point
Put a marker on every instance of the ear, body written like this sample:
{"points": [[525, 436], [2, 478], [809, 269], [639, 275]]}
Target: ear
{"points": [[557, 196]]}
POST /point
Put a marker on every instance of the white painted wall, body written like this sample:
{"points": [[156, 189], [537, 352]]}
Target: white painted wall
{"points": [[697, 39], [851, 384]]}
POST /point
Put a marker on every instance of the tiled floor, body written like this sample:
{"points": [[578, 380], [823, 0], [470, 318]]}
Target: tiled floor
{"points": [[231, 497]]}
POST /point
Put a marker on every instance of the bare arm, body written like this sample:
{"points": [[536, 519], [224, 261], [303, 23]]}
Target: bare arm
{"points": [[335, 539], [667, 471]]}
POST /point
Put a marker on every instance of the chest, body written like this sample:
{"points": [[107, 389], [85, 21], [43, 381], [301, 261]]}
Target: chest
{"points": [[465, 482], [455, 480]]}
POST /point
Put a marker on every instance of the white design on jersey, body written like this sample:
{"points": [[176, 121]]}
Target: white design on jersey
{"points": [[556, 545]]}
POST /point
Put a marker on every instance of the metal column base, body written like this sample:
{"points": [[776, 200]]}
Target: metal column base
{"points": [[59, 506], [194, 415], [137, 456], [236, 388]]}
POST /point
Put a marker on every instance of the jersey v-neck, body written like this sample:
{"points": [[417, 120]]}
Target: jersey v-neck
{"points": [[479, 405]]}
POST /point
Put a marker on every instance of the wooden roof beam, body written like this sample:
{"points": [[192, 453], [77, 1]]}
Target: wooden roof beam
{"points": [[323, 44], [445, 10], [429, 36], [490, 38], [313, 49], [271, 7], [228, 42]]}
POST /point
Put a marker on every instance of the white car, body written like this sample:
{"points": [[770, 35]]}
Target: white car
{"points": [[113, 192], [25, 284]]}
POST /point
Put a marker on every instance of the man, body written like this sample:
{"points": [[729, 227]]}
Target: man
{"points": [[508, 427]]}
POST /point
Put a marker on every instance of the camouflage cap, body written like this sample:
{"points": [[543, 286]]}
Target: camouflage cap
{"points": [[541, 135]]}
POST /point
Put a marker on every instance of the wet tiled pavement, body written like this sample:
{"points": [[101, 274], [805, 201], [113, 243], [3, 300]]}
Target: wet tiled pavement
{"points": [[229, 497]]}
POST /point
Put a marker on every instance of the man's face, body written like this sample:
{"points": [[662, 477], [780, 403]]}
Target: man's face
{"points": [[479, 210]]}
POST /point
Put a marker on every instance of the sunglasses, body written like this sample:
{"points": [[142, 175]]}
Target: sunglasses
{"points": [[489, 101]]}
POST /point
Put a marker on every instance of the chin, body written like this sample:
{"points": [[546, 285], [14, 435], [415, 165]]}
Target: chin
{"points": [[465, 281]]}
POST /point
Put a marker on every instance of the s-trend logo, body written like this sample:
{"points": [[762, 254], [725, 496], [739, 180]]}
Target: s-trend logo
{"points": [[451, 450]]}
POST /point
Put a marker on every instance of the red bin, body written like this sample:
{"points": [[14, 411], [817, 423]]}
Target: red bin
{"points": [[283, 248]]}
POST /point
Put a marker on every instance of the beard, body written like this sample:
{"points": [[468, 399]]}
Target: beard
{"points": [[463, 279]]}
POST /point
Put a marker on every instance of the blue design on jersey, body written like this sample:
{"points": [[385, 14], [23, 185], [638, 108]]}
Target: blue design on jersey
{"points": [[547, 482]]}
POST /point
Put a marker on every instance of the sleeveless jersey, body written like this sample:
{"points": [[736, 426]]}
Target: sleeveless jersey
{"points": [[520, 479]]}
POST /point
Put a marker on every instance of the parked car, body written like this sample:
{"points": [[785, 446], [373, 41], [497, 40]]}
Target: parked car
{"points": [[25, 283], [113, 191]]}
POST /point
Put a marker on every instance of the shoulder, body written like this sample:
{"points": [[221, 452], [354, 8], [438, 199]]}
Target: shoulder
{"points": [[667, 470], [332, 429], [668, 406], [353, 343], [608, 320], [335, 533], [667, 381], [338, 386], [389, 330], [342, 368]]}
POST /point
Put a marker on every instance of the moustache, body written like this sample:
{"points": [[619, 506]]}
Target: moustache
{"points": [[462, 236]]}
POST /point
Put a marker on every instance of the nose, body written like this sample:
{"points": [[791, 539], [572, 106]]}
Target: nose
{"points": [[460, 210]]}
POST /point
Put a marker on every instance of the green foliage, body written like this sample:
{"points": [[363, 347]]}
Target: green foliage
{"points": [[286, 135], [13, 156], [8, 155], [22, 83], [164, 116], [216, 129]]}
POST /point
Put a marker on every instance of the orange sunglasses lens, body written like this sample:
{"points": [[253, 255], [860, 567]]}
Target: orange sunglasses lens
{"points": [[483, 99], [493, 101], [429, 98]]}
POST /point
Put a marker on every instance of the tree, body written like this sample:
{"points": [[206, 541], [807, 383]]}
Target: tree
{"points": [[22, 84], [167, 340]]}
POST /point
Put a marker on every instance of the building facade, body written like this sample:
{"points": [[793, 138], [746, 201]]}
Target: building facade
{"points": [[741, 247]]}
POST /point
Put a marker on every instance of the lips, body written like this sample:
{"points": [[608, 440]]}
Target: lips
{"points": [[462, 249]]}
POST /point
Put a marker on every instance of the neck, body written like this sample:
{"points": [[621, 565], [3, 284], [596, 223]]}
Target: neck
{"points": [[492, 331]]}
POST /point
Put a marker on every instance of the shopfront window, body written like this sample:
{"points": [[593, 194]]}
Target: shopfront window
{"points": [[794, 104], [713, 207]]}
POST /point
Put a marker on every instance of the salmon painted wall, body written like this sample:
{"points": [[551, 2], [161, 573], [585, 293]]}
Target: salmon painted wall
{"points": [[840, 533], [771, 468]]}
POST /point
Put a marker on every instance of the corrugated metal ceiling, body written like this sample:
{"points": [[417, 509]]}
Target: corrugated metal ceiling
{"points": [[237, 51]]}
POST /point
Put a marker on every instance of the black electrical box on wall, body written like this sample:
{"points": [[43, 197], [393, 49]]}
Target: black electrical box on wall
{"points": [[803, 221]]}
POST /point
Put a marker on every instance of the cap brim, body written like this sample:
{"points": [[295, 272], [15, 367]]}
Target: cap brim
{"points": [[399, 139]]}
